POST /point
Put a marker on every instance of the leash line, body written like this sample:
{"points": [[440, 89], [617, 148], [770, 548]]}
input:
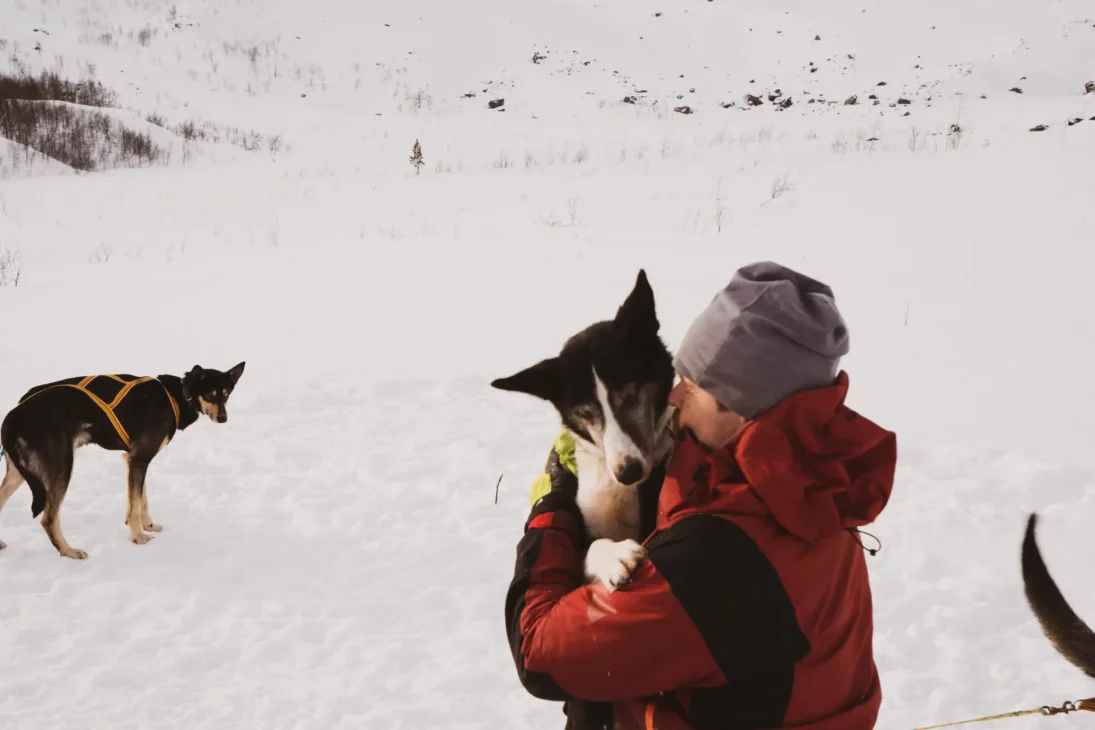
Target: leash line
{"points": [[1087, 705]]}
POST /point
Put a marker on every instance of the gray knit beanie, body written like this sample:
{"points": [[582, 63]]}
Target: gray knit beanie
{"points": [[770, 333]]}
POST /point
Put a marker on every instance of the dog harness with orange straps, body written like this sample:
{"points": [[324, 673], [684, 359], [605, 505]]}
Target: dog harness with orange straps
{"points": [[108, 408]]}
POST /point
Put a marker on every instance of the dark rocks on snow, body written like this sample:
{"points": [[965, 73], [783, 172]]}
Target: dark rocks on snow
{"points": [[872, 97], [906, 114], [872, 139], [537, 57], [1016, 89], [851, 100], [881, 83], [1075, 121], [1089, 87], [469, 95], [785, 103], [817, 38], [727, 104], [629, 100], [775, 95], [683, 109], [904, 102], [753, 100], [496, 103], [877, 102], [1039, 128]]}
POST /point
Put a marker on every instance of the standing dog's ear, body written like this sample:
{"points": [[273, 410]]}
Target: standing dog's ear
{"points": [[236, 372], [637, 313], [541, 380]]}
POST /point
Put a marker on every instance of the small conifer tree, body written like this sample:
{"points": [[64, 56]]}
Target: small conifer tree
{"points": [[416, 157]]}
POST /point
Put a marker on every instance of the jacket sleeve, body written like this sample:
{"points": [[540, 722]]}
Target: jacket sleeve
{"points": [[571, 640]]}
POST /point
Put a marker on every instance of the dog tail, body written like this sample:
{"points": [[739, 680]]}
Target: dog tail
{"points": [[1070, 636], [37, 494]]}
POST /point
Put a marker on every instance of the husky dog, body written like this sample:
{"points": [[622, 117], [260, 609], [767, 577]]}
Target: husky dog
{"points": [[137, 416], [610, 385], [1066, 631]]}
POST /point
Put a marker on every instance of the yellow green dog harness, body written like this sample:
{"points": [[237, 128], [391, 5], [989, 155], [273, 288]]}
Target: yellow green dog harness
{"points": [[562, 451]]}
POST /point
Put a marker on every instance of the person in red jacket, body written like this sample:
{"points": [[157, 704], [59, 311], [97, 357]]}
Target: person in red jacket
{"points": [[753, 606]]}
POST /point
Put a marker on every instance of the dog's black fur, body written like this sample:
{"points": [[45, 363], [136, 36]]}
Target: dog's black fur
{"points": [[636, 368], [40, 435], [1066, 631]]}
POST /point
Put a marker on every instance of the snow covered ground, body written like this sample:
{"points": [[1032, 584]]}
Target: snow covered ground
{"points": [[332, 555]]}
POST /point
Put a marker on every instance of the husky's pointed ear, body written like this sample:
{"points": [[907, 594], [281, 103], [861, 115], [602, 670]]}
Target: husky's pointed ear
{"points": [[637, 312], [236, 372], [541, 380]]}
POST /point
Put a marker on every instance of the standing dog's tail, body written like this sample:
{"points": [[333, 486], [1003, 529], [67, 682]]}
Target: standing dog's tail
{"points": [[1066, 631]]}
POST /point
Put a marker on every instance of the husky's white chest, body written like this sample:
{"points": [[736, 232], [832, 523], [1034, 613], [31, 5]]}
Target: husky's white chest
{"points": [[610, 510]]}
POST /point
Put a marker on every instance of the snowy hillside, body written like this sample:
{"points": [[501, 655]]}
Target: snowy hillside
{"points": [[332, 556]]}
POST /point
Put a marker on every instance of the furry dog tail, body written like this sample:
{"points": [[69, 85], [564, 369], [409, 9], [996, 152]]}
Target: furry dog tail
{"points": [[1070, 636]]}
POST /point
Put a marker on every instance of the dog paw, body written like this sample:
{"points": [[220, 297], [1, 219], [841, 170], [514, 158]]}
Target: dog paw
{"points": [[153, 527], [74, 554], [140, 538], [612, 562]]}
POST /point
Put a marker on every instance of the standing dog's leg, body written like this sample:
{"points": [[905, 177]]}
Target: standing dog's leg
{"points": [[146, 519], [12, 481], [55, 486], [138, 468]]}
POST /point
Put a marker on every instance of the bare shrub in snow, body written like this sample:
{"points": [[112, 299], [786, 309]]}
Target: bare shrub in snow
{"points": [[780, 186], [11, 268], [954, 136], [720, 205], [101, 254], [208, 132], [914, 139]]}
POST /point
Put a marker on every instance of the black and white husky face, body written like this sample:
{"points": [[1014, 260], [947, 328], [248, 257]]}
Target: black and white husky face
{"points": [[610, 385]]}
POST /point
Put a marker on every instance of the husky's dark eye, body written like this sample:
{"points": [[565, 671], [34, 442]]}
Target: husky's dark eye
{"points": [[585, 413]]}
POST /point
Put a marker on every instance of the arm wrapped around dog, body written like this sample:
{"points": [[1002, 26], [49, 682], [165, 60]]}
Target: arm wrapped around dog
{"points": [[575, 641]]}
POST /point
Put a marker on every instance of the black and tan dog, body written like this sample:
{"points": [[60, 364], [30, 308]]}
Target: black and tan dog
{"points": [[135, 415]]}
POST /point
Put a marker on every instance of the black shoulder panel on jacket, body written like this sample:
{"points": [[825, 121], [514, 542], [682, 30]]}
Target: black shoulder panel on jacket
{"points": [[735, 598]]}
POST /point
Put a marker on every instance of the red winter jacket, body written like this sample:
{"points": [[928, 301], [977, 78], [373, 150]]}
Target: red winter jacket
{"points": [[753, 609]]}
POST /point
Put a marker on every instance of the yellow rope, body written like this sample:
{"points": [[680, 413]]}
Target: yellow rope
{"points": [[1087, 705]]}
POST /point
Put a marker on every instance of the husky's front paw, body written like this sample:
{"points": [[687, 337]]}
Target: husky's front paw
{"points": [[612, 562]]}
